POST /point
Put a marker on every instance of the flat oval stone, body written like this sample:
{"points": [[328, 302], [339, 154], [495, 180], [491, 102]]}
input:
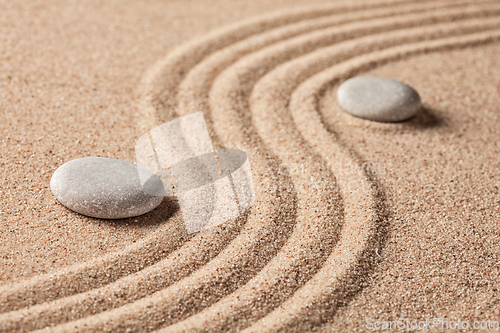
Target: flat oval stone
{"points": [[378, 99], [105, 188]]}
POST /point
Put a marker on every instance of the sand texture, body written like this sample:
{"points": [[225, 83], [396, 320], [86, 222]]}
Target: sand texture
{"points": [[353, 219]]}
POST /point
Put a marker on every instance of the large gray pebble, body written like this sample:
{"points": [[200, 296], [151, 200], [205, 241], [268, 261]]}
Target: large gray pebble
{"points": [[378, 99], [105, 188]]}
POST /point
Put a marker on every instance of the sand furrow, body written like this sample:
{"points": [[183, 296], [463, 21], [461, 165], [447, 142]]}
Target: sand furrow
{"points": [[235, 266], [222, 291], [271, 96], [52, 286], [193, 97], [317, 300], [193, 90], [181, 108], [226, 310], [160, 84], [182, 262], [95, 273], [19, 296], [317, 223], [230, 268]]}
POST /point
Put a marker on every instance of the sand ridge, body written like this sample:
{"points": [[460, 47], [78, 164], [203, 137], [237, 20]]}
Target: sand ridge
{"points": [[310, 241]]}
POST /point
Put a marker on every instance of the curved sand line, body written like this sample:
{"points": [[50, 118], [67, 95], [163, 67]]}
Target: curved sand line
{"points": [[94, 273], [176, 301], [180, 263], [23, 294], [159, 93], [302, 246], [226, 310], [201, 76], [301, 313], [228, 304]]}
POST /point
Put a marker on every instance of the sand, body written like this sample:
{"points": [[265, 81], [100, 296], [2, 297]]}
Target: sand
{"points": [[353, 220]]}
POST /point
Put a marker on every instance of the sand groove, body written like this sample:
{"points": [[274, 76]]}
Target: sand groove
{"points": [[22, 295], [225, 311], [92, 274], [258, 84], [177, 265], [14, 295], [199, 78], [159, 92], [326, 288]]}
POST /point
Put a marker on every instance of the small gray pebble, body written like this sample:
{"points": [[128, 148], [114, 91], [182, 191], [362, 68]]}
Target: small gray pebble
{"points": [[105, 188], [378, 99]]}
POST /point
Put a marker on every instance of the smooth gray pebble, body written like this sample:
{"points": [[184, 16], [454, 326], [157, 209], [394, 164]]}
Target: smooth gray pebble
{"points": [[378, 99], [105, 188]]}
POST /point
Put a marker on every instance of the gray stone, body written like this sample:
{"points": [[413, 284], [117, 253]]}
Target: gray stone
{"points": [[105, 188], [378, 99]]}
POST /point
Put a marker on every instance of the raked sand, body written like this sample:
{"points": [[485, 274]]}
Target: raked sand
{"points": [[354, 221]]}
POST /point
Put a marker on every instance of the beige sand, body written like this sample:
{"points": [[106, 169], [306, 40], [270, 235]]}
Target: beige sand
{"points": [[352, 220]]}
